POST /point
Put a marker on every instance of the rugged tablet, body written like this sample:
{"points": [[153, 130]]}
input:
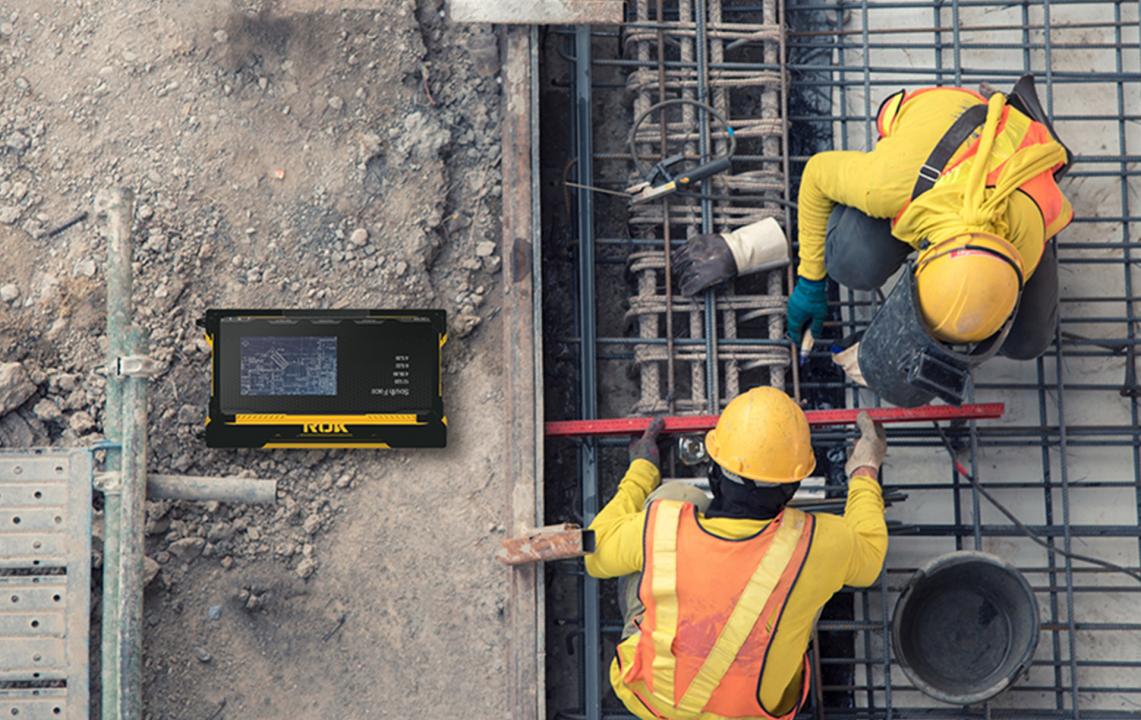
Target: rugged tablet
{"points": [[326, 378]]}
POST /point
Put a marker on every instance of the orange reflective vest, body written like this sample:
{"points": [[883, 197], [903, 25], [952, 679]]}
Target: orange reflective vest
{"points": [[712, 608], [1016, 131]]}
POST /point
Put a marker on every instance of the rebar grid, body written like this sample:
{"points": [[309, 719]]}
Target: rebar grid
{"points": [[1076, 672], [668, 50], [1067, 458]]}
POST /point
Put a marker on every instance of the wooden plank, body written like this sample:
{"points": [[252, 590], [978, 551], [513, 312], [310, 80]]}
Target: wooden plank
{"points": [[522, 373], [537, 12]]}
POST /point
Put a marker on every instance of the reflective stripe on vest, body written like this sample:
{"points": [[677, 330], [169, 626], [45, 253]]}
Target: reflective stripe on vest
{"points": [[1016, 131], [691, 657]]}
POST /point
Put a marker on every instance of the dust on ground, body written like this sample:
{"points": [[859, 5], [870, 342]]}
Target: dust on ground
{"points": [[283, 159]]}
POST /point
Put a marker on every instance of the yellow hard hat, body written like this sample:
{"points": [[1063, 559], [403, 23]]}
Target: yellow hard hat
{"points": [[763, 436], [968, 286]]}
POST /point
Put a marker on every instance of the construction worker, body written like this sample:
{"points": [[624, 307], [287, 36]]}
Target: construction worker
{"points": [[968, 182], [720, 598]]}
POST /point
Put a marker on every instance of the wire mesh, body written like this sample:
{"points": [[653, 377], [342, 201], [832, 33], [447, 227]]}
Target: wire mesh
{"points": [[1067, 457]]}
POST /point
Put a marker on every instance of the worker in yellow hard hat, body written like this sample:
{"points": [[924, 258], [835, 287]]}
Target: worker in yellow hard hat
{"points": [[968, 182], [720, 597]]}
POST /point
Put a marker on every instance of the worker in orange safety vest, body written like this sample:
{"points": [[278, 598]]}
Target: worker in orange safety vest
{"points": [[970, 183], [720, 597]]}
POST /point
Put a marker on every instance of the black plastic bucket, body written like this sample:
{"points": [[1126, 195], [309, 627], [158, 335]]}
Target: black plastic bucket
{"points": [[966, 627]]}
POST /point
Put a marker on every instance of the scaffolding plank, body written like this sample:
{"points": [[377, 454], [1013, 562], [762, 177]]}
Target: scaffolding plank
{"points": [[45, 588], [537, 12], [39, 704]]}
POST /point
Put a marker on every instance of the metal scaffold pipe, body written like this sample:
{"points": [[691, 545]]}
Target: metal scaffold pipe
{"points": [[248, 491], [128, 695], [124, 511]]}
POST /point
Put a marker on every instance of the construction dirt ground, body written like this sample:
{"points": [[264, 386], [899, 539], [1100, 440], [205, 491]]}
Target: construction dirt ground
{"points": [[287, 159]]}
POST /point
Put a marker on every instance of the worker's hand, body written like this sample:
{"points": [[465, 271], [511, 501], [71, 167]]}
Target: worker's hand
{"points": [[646, 447], [849, 361], [703, 262], [807, 306], [869, 449], [707, 260]]}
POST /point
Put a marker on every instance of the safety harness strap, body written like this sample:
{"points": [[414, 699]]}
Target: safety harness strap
{"points": [[945, 149], [663, 586], [744, 617]]}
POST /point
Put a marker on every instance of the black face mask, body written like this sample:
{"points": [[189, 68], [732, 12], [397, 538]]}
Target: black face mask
{"points": [[748, 501]]}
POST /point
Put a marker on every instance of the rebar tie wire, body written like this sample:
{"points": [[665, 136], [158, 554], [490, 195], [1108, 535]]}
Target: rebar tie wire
{"points": [[962, 470]]}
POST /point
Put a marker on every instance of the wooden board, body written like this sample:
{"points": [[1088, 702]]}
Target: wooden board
{"points": [[537, 12], [523, 395]]}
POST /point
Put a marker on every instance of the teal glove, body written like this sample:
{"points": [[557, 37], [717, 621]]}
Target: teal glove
{"points": [[807, 304]]}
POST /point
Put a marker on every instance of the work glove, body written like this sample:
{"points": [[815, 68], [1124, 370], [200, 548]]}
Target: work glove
{"points": [[707, 260], [807, 305], [849, 361], [870, 448], [646, 447]]}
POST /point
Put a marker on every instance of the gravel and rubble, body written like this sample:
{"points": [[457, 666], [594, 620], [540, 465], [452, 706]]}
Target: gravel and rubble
{"points": [[320, 160]]}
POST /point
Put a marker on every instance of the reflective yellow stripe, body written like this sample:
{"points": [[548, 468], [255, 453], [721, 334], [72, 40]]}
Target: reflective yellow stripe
{"points": [[1005, 145], [286, 419], [440, 366], [663, 586], [745, 615], [325, 446]]}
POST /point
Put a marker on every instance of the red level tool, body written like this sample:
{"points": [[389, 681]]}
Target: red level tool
{"points": [[699, 423]]}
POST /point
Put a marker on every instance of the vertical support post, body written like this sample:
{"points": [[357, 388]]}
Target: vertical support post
{"points": [[121, 646], [588, 452], [132, 521]]}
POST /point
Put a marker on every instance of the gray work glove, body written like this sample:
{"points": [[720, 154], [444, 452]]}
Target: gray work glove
{"points": [[870, 448], [646, 447], [707, 260]]}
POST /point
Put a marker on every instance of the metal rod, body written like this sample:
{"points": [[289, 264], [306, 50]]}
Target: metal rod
{"points": [[114, 208], [663, 123], [588, 402], [132, 543], [249, 491], [701, 49]]}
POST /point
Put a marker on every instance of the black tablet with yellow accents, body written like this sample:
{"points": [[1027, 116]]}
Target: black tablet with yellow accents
{"points": [[326, 378]]}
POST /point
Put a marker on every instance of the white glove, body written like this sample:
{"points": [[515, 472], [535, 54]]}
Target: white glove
{"points": [[849, 361], [870, 448], [759, 246]]}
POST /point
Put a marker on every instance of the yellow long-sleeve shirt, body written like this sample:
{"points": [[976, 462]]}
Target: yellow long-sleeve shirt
{"points": [[879, 183], [846, 550]]}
